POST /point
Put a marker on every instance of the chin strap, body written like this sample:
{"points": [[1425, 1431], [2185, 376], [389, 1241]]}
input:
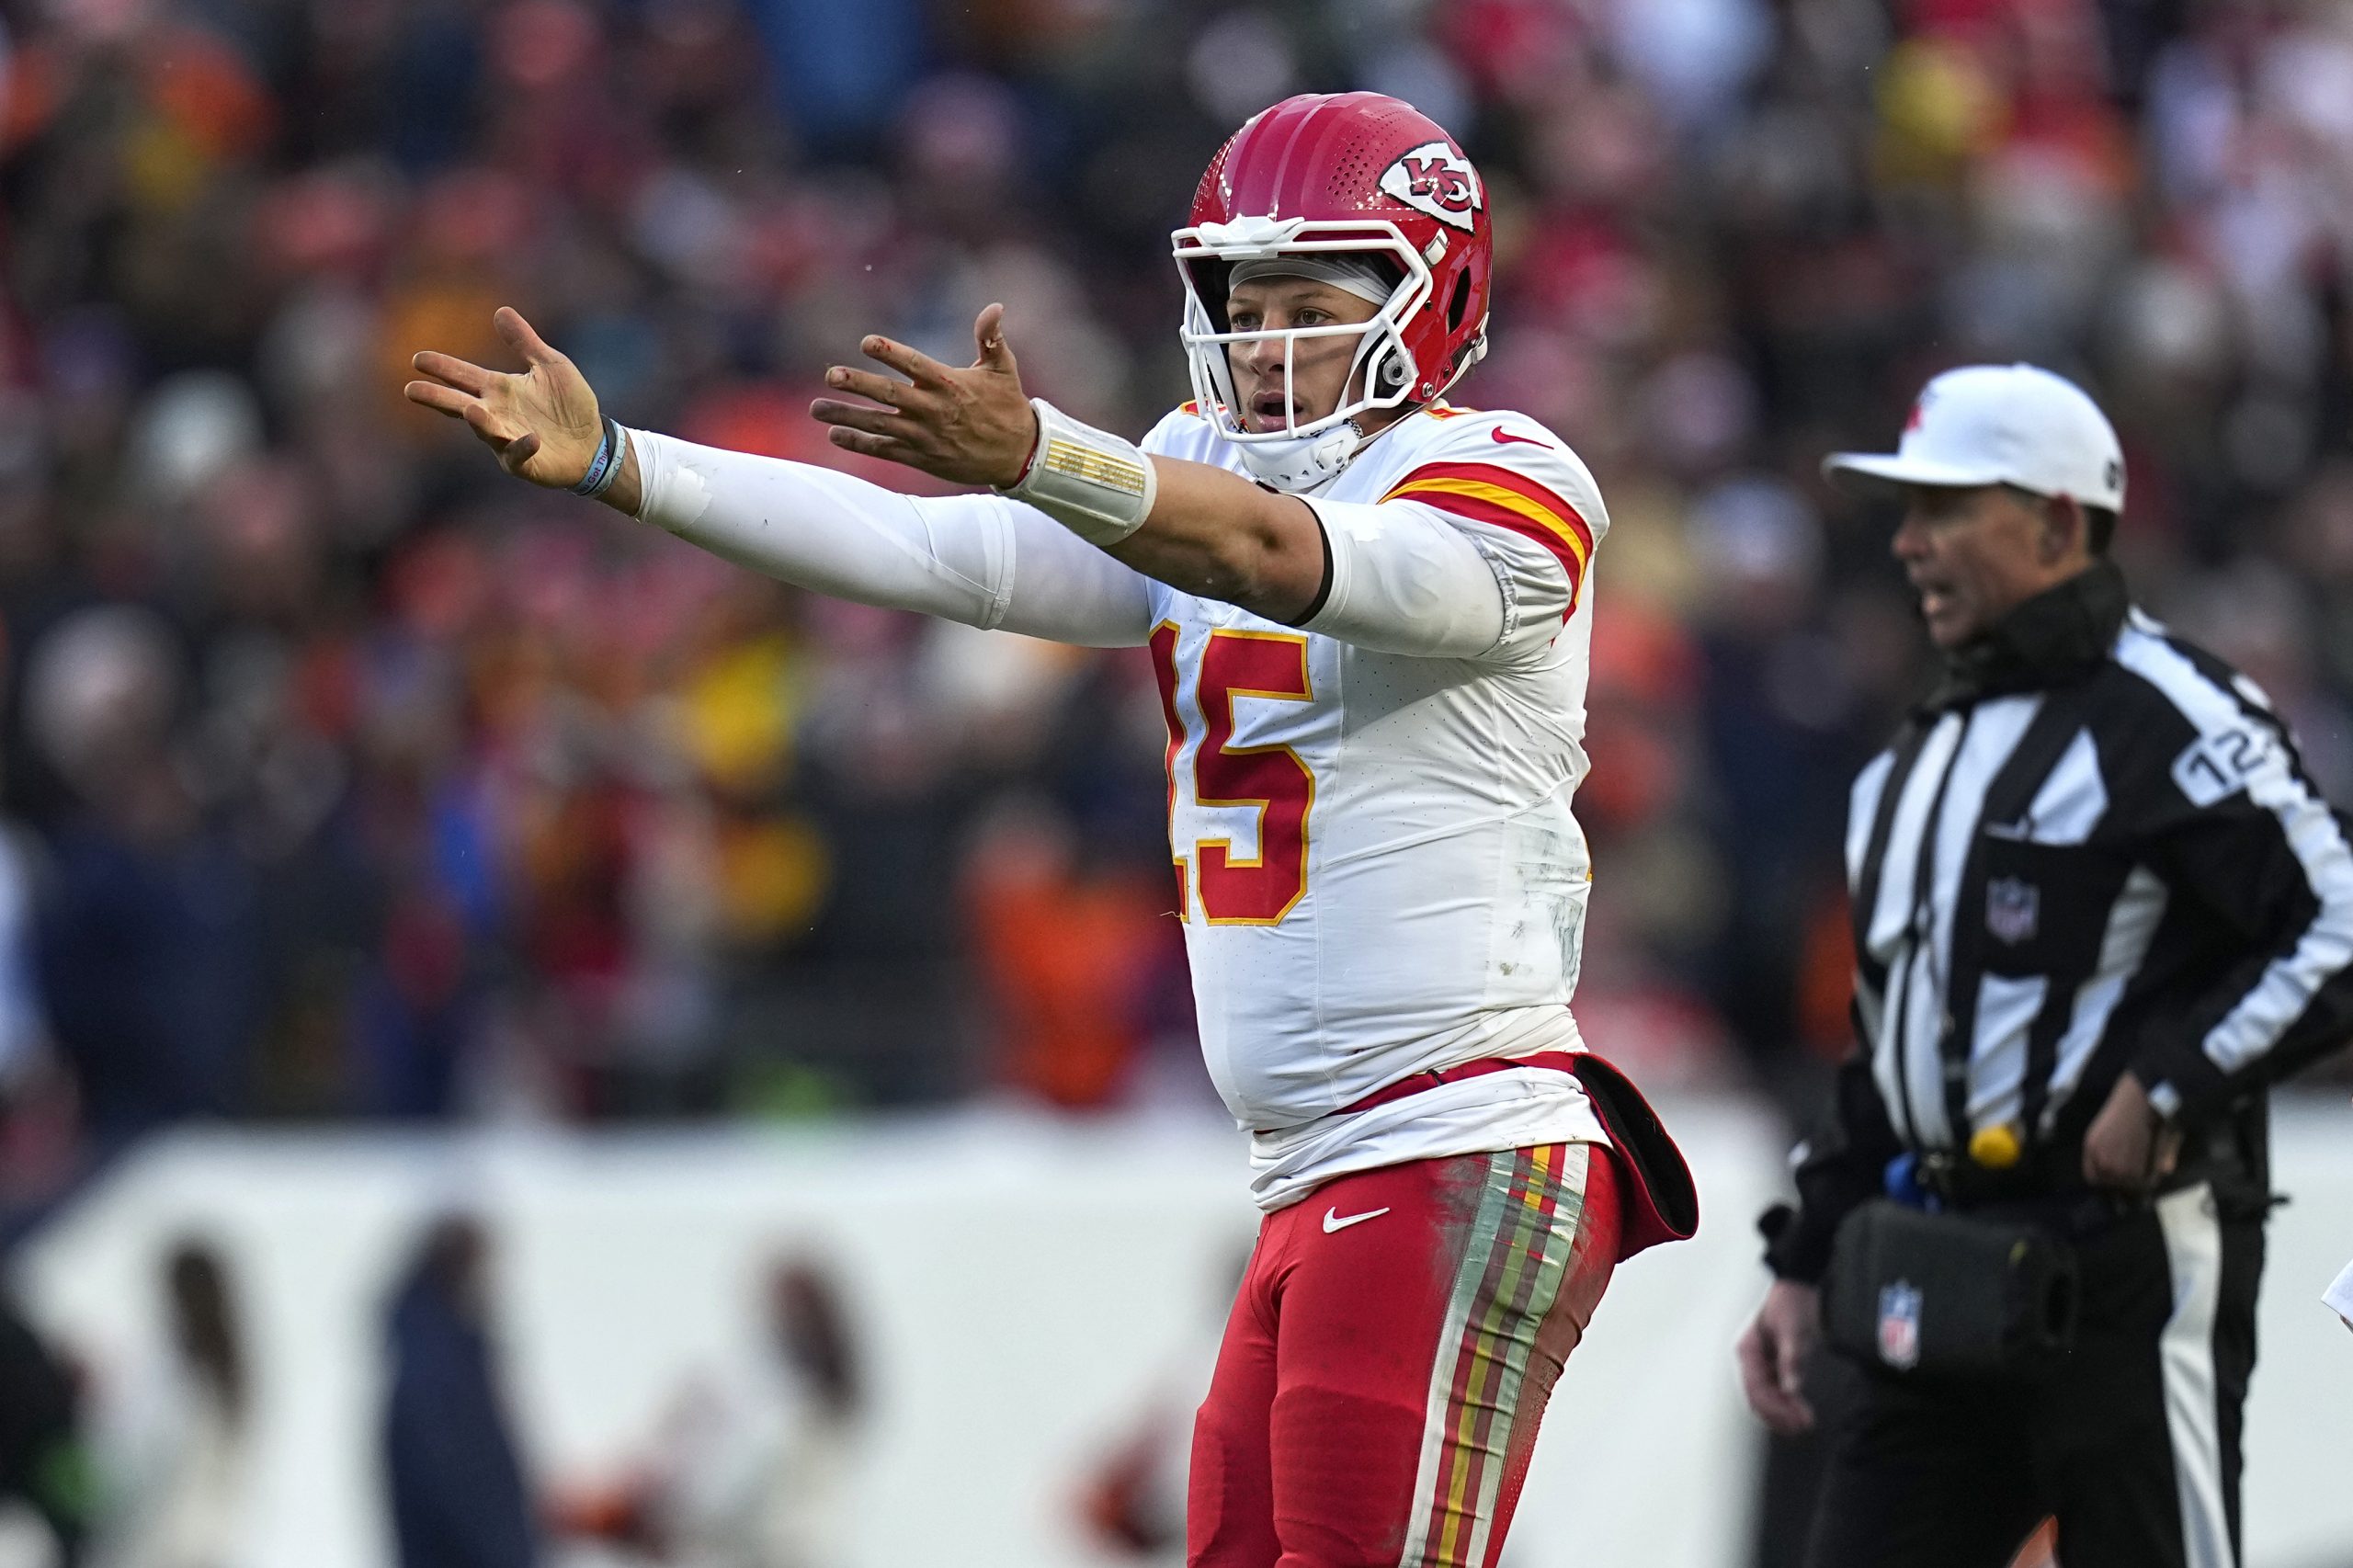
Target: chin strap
{"points": [[1304, 462], [1096, 485]]}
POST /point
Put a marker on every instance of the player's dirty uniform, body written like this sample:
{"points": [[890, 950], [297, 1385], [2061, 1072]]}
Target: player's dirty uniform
{"points": [[1376, 862], [1380, 877], [1382, 882], [1384, 891]]}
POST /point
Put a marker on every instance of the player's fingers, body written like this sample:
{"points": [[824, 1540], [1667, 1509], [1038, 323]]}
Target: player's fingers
{"points": [[463, 374], [871, 446], [523, 338], [988, 338], [518, 451], [487, 426], [873, 421], [918, 367], [865, 383], [440, 398]]}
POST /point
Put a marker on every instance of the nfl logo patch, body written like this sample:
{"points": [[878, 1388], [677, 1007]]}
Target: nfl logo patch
{"points": [[2011, 907], [1899, 1325]]}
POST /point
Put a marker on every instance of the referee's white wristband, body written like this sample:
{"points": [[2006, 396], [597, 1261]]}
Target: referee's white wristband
{"points": [[1093, 482]]}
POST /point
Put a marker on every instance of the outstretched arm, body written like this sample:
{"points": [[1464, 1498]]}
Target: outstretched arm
{"points": [[980, 560], [1210, 532]]}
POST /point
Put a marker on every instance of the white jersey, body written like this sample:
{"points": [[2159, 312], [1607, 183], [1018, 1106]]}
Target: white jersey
{"points": [[1370, 815], [1378, 869]]}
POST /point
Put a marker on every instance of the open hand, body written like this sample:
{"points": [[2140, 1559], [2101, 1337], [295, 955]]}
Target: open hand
{"points": [[970, 426], [543, 423]]}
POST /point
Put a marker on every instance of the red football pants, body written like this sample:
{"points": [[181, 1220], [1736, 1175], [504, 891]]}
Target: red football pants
{"points": [[1389, 1356]]}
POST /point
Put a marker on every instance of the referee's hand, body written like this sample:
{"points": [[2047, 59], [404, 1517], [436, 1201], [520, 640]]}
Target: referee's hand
{"points": [[2129, 1147], [1773, 1354]]}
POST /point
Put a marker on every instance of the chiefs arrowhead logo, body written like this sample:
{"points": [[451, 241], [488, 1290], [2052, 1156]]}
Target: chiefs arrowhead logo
{"points": [[1437, 180]]}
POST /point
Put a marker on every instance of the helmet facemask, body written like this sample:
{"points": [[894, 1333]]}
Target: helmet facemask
{"points": [[1383, 373]]}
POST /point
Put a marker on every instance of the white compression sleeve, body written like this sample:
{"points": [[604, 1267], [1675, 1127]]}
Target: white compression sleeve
{"points": [[1407, 578], [951, 556]]}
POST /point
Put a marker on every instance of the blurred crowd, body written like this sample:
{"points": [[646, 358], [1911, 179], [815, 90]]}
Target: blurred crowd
{"points": [[346, 777], [150, 1459]]}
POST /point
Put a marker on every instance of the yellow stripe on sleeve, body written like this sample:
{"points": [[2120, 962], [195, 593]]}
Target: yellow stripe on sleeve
{"points": [[1498, 495]]}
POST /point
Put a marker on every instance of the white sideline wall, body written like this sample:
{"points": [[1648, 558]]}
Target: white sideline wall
{"points": [[1023, 1289]]}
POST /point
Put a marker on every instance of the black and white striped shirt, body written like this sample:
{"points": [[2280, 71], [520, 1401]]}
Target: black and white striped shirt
{"points": [[2094, 850]]}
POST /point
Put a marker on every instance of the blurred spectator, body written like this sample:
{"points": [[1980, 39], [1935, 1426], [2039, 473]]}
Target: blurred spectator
{"points": [[751, 1469], [1132, 1491], [176, 1491], [401, 793], [145, 949], [1069, 953], [44, 1463], [455, 1488]]}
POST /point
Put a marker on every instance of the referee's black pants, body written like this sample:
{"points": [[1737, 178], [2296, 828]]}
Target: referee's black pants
{"points": [[2133, 1445]]}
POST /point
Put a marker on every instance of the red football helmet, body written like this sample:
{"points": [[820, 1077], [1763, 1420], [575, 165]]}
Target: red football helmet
{"points": [[1347, 172]]}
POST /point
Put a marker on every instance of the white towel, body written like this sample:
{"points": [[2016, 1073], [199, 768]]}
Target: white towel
{"points": [[2340, 1296]]}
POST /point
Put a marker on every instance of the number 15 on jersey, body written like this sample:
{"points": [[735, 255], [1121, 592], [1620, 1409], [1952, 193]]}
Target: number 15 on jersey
{"points": [[1271, 780]]}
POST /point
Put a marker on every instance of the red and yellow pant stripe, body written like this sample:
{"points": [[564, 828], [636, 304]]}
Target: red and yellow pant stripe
{"points": [[1389, 1356]]}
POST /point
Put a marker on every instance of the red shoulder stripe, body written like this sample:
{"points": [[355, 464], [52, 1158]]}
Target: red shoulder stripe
{"points": [[1488, 494], [1511, 479], [1487, 512]]}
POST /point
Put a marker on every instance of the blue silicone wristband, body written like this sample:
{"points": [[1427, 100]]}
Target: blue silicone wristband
{"points": [[606, 466]]}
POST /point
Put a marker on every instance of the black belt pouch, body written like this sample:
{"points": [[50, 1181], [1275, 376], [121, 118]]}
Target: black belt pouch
{"points": [[1949, 1295]]}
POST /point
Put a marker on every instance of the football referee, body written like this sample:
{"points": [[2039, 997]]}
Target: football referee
{"points": [[2098, 908]]}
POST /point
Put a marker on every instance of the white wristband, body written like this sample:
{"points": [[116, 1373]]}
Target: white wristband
{"points": [[1094, 484]]}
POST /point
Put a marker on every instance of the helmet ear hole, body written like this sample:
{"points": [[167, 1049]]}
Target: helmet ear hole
{"points": [[1458, 304]]}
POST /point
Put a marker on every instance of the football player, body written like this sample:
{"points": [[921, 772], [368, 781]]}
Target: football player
{"points": [[1369, 613]]}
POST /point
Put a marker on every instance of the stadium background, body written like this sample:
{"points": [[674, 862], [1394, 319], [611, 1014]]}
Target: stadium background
{"points": [[359, 796]]}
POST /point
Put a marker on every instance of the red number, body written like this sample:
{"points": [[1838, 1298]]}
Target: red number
{"points": [[1261, 891]]}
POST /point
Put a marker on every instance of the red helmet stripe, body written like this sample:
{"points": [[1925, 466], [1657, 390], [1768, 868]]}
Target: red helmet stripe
{"points": [[1299, 132]]}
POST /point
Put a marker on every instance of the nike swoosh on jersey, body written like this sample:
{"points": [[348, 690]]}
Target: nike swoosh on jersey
{"points": [[1332, 1220], [1501, 436]]}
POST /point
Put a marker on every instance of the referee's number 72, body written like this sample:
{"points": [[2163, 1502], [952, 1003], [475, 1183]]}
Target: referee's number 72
{"points": [[1235, 890]]}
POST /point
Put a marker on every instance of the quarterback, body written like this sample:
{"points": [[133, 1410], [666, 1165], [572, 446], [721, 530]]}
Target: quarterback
{"points": [[1369, 613]]}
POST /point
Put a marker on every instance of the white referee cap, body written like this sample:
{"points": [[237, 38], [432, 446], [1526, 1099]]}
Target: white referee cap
{"points": [[1998, 425]]}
